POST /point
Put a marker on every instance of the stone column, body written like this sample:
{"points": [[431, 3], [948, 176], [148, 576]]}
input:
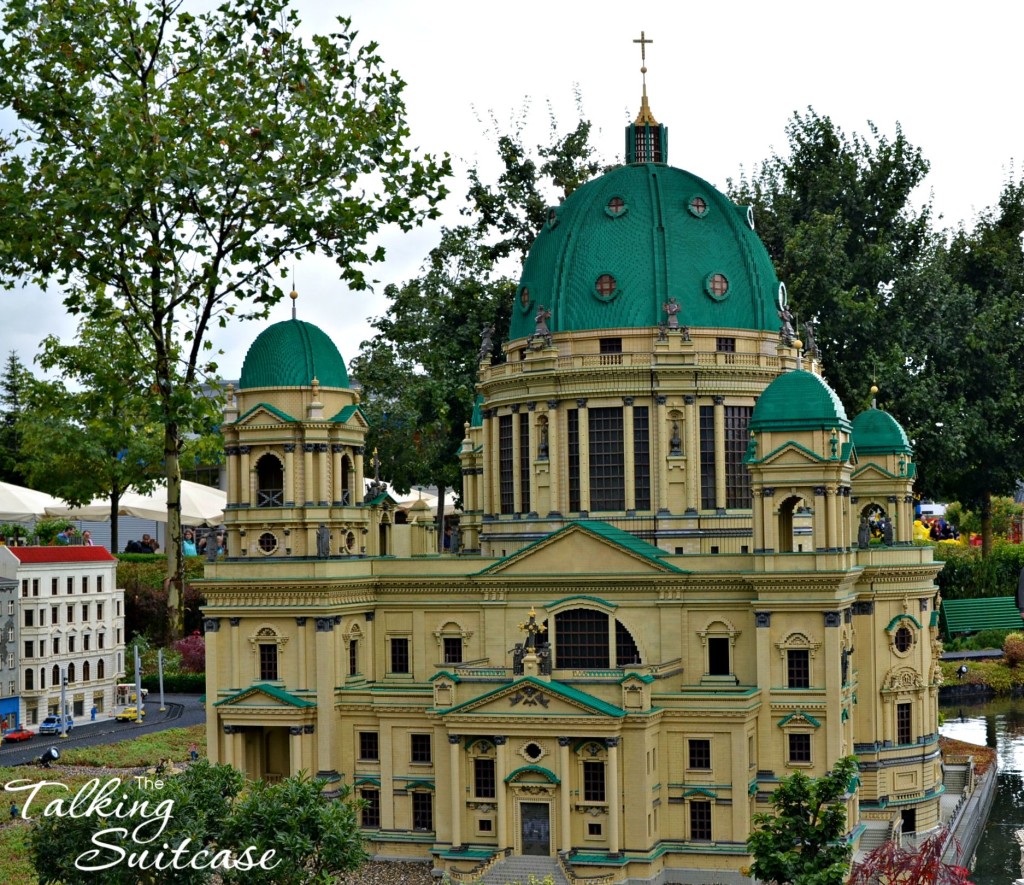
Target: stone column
{"points": [[236, 653], [357, 480], [295, 748], [659, 451], [500, 764], [833, 519], [615, 795], [629, 461], [820, 518], [301, 679], [456, 788], [212, 630], [556, 458], [337, 492], [323, 496], [564, 794], [493, 462], [765, 726], [244, 477], [517, 456], [770, 526], [583, 423], [720, 496], [531, 456], [325, 669], [307, 469], [832, 652], [289, 474], [369, 652], [230, 455], [692, 452]]}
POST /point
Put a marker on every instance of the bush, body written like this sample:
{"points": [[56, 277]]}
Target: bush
{"points": [[176, 683], [1013, 649], [193, 653], [968, 575]]}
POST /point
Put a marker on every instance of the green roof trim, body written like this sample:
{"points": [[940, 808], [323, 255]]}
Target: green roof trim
{"points": [[477, 419], [595, 599], [291, 354], [478, 739], [362, 781], [272, 690], [645, 678], [799, 400], [284, 416], [700, 791], [876, 432], [346, 413], [447, 673], [533, 769], [973, 615], [904, 617], [788, 444], [782, 723], [419, 785], [559, 689]]}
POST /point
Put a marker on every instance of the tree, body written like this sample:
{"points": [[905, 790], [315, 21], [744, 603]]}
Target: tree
{"points": [[102, 437], [836, 217], [891, 864], [802, 842], [190, 159], [13, 381], [419, 370]]}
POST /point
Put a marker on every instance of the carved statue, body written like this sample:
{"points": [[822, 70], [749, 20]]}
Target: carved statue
{"points": [[810, 344], [676, 441], [863, 534], [663, 331], [541, 319], [323, 542], [542, 446], [887, 531], [786, 331], [486, 344], [672, 308]]}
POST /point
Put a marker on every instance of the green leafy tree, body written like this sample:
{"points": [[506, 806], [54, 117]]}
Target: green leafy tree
{"points": [[419, 370], [802, 842], [13, 381], [836, 216], [100, 437], [190, 159]]}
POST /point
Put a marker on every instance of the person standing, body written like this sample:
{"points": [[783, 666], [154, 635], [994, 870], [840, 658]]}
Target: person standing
{"points": [[87, 538], [188, 543]]}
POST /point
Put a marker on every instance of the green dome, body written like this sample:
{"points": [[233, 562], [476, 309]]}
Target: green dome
{"points": [[877, 433], [658, 233], [292, 354], [799, 400]]}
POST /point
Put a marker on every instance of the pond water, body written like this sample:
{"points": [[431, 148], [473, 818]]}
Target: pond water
{"points": [[998, 724]]}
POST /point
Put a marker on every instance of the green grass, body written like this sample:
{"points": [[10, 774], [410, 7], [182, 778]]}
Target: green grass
{"points": [[993, 673], [146, 749], [15, 867]]}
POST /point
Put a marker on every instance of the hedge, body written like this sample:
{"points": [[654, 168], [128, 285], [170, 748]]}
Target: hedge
{"points": [[968, 575], [177, 683]]}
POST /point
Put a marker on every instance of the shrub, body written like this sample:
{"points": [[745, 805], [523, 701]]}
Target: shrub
{"points": [[1013, 649], [175, 683], [968, 575], [193, 653]]}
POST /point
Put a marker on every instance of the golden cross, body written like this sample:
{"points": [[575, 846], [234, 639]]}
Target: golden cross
{"points": [[643, 41]]}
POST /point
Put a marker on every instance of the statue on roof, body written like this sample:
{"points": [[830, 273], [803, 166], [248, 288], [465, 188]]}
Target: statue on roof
{"points": [[486, 343], [810, 344], [672, 308], [786, 331], [541, 319], [323, 542]]}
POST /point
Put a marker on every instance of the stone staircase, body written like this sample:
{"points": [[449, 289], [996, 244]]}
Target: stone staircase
{"points": [[875, 833], [519, 868], [954, 777]]}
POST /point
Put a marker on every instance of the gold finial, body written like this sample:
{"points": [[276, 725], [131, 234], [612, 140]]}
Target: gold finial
{"points": [[645, 115], [294, 297], [874, 389]]}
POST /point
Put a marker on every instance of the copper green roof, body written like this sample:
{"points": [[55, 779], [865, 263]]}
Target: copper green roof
{"points": [[799, 400], [284, 416], [657, 232], [291, 354], [877, 433], [271, 690], [477, 420], [973, 615]]}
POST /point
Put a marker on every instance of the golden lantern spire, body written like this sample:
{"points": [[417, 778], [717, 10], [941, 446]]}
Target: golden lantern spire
{"points": [[645, 116]]}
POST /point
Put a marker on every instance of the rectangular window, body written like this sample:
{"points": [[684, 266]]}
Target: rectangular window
{"points": [[29, 648], [607, 460], [353, 657], [54, 614], [54, 585], [85, 611], [35, 586], [369, 746], [700, 754], [453, 649], [99, 583], [707, 458], [798, 668], [611, 345], [581, 639], [29, 618], [10, 607], [85, 583], [24, 587], [99, 611], [85, 641], [420, 748], [505, 466], [737, 476], [400, 654], [71, 645], [904, 719], [371, 808], [718, 656], [71, 613], [725, 345], [71, 584], [423, 811], [700, 820], [56, 645], [118, 611], [484, 781], [99, 640], [268, 661], [799, 748], [593, 782], [573, 456], [42, 648], [524, 461], [642, 457]]}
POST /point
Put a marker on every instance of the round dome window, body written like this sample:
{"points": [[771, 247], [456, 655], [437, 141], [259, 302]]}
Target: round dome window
{"points": [[616, 207], [717, 286], [267, 542], [524, 298], [606, 287], [698, 206]]}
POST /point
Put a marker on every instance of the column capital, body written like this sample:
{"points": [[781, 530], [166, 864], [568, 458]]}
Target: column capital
{"points": [[294, 730], [564, 741], [454, 739], [324, 625], [762, 619], [627, 401], [661, 399], [515, 408], [718, 400], [581, 403], [689, 399], [500, 740], [211, 625], [289, 448], [234, 622], [531, 406], [611, 743], [552, 405], [300, 622]]}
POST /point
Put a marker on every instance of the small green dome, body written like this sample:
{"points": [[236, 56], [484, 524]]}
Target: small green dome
{"points": [[291, 354], [877, 433], [623, 244], [799, 400]]}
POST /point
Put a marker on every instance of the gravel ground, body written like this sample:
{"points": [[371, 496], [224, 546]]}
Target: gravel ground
{"points": [[389, 873]]}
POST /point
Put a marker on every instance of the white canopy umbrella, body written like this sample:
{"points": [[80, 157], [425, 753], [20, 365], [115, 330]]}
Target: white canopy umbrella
{"points": [[200, 505], [18, 504]]}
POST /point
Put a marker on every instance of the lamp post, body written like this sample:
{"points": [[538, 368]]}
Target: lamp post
{"points": [[138, 687], [160, 670], [64, 703]]}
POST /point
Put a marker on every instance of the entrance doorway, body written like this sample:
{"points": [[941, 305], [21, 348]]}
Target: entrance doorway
{"points": [[536, 828], [909, 816]]}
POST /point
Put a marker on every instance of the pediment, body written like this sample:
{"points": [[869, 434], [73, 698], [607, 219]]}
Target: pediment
{"points": [[530, 696], [873, 471], [791, 453], [264, 696], [351, 415], [580, 549], [263, 414]]}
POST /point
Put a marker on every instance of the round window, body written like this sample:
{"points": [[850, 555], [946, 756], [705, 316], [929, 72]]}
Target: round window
{"points": [[903, 640], [698, 206], [267, 542], [533, 752], [606, 287], [717, 286], [524, 298], [350, 541], [616, 207]]}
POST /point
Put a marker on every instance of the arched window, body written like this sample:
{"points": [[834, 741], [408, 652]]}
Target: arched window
{"points": [[581, 639], [29, 674], [346, 480], [85, 672], [100, 669], [626, 651], [42, 677], [71, 673], [269, 482], [55, 682]]}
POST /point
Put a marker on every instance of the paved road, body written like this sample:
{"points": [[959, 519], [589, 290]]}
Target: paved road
{"points": [[182, 711]]}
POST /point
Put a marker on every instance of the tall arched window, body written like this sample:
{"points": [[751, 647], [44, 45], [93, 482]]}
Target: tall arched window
{"points": [[581, 639], [269, 482], [29, 677], [346, 480], [85, 672], [71, 673], [100, 669], [42, 677], [56, 676]]}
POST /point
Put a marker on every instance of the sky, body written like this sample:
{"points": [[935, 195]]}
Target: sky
{"points": [[723, 76]]}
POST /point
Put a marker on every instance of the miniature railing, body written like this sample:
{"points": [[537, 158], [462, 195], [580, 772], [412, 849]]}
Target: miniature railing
{"points": [[477, 872], [582, 880]]}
